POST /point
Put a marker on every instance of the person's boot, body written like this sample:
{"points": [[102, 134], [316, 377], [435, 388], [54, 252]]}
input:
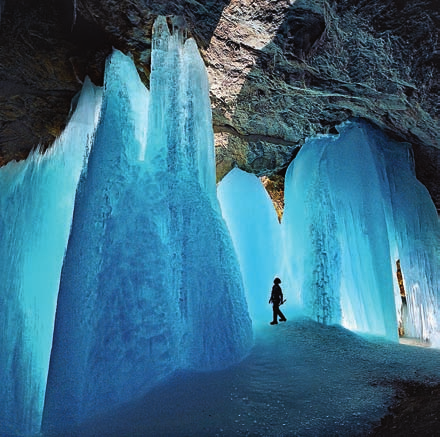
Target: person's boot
{"points": [[274, 323]]}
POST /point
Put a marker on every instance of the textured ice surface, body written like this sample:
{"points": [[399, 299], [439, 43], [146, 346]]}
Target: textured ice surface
{"points": [[150, 282], [414, 232], [353, 207], [36, 205], [256, 232]]}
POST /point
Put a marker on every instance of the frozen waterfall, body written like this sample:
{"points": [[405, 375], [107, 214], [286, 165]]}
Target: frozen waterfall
{"points": [[353, 209], [117, 260], [150, 282], [36, 205]]}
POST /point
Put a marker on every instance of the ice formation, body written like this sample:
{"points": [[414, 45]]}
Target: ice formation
{"points": [[353, 208], [256, 233], [150, 282], [36, 205]]}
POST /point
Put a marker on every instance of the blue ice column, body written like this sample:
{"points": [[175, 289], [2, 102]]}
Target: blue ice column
{"points": [[150, 282], [36, 205], [114, 329], [256, 233], [336, 226], [415, 240], [311, 247], [180, 152]]}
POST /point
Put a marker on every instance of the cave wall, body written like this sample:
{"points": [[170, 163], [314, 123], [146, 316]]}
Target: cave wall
{"points": [[279, 70]]}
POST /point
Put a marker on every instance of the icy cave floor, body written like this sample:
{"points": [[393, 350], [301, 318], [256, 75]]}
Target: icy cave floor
{"points": [[300, 379]]}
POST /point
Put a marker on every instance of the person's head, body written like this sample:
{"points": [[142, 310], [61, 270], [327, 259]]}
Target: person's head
{"points": [[277, 281]]}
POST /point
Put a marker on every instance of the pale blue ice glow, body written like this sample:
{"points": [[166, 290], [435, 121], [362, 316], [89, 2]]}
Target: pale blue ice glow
{"points": [[353, 207], [36, 206], [414, 233], [150, 282], [256, 232]]}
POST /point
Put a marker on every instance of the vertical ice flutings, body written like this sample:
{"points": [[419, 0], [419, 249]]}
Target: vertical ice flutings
{"points": [[150, 281], [353, 208], [36, 206]]}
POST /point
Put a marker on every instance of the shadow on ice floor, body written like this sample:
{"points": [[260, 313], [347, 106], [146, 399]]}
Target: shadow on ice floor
{"points": [[300, 379]]}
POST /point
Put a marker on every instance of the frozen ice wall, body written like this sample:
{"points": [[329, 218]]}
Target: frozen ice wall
{"points": [[336, 227], [312, 251], [415, 240], [104, 324], [353, 207], [256, 233], [150, 282], [36, 205], [180, 156]]}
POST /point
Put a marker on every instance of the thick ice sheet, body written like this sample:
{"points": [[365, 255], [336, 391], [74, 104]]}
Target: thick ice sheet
{"points": [[36, 205]]}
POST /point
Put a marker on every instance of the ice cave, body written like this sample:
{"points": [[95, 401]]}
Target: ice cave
{"points": [[123, 262]]}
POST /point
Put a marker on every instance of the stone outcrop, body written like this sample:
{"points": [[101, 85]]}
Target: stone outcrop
{"points": [[279, 70]]}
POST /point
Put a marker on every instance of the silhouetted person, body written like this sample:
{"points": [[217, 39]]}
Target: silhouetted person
{"points": [[276, 299]]}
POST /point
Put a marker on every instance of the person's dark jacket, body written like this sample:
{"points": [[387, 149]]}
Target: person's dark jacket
{"points": [[276, 296]]}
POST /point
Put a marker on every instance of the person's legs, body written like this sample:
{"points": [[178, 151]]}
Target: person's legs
{"points": [[275, 310], [279, 313]]}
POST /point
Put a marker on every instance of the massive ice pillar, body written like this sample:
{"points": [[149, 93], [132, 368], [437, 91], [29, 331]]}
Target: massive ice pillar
{"points": [[150, 282], [205, 268], [353, 208], [414, 232], [256, 233], [36, 205]]}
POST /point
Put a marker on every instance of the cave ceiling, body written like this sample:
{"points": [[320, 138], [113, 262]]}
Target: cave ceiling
{"points": [[279, 70]]}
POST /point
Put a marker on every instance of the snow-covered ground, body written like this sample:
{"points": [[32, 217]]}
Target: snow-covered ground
{"points": [[300, 379]]}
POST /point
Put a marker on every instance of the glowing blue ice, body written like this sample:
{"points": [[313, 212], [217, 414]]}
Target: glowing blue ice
{"points": [[256, 232], [353, 207], [36, 205], [150, 282], [414, 232]]}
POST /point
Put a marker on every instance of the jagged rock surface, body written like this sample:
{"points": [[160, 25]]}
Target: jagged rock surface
{"points": [[279, 70]]}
